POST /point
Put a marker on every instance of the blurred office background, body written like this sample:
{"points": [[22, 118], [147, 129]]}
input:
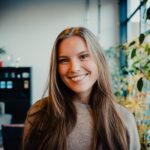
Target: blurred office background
{"points": [[28, 29]]}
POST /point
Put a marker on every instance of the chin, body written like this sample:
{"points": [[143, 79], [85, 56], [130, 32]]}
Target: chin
{"points": [[81, 90]]}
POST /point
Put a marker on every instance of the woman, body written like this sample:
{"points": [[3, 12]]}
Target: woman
{"points": [[80, 112]]}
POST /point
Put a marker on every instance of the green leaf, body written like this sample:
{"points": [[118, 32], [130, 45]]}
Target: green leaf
{"points": [[145, 67], [146, 47], [145, 1], [140, 84], [148, 13], [136, 62], [132, 43], [141, 38], [148, 51], [148, 62], [133, 53], [148, 75]]}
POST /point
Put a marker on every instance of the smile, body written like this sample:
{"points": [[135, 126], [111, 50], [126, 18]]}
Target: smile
{"points": [[78, 78]]}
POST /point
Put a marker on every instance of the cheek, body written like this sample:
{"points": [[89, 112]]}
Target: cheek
{"points": [[95, 71], [92, 66], [62, 70]]}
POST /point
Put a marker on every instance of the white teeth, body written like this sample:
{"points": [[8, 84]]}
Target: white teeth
{"points": [[77, 78]]}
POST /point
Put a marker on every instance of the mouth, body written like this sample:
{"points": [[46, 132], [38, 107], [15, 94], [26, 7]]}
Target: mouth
{"points": [[78, 78]]}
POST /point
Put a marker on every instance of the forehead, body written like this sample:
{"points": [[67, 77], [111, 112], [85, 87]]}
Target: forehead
{"points": [[72, 45]]}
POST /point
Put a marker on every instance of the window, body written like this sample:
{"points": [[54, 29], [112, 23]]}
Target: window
{"points": [[132, 22], [133, 27], [132, 6]]}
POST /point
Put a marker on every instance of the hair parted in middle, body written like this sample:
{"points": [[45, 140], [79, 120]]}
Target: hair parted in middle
{"points": [[93, 46], [102, 98], [109, 131]]}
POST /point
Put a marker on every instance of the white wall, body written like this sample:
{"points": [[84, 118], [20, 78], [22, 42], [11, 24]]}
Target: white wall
{"points": [[28, 30]]}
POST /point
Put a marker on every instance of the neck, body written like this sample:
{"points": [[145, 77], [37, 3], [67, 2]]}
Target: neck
{"points": [[82, 97]]}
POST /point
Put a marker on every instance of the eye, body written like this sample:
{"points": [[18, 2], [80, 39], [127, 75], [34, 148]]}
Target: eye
{"points": [[84, 56], [62, 61]]}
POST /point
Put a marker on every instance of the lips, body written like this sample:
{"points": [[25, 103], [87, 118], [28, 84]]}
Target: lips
{"points": [[77, 78]]}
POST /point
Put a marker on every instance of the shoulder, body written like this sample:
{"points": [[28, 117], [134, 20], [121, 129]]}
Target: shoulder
{"points": [[127, 118], [33, 115], [36, 110], [38, 106], [125, 114], [131, 127]]}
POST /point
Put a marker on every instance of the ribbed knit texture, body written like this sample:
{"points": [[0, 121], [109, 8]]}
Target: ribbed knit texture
{"points": [[81, 136]]}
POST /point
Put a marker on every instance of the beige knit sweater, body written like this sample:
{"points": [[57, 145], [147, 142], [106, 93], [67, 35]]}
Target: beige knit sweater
{"points": [[81, 136]]}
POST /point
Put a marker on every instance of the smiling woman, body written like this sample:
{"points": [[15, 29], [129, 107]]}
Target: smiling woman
{"points": [[77, 67], [80, 112]]}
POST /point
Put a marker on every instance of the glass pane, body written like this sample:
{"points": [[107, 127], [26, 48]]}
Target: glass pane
{"points": [[148, 3], [132, 5], [148, 21], [133, 27]]}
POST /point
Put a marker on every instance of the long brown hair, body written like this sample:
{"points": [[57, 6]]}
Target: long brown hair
{"points": [[57, 116]]}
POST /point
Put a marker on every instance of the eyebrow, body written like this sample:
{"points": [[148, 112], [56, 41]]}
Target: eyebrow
{"points": [[85, 51]]}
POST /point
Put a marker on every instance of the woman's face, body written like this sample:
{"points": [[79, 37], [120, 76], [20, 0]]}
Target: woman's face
{"points": [[76, 65]]}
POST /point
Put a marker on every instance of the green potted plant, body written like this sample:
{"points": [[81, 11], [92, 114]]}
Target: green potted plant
{"points": [[132, 89], [138, 69]]}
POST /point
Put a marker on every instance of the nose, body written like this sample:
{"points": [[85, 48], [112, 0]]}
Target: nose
{"points": [[75, 66]]}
